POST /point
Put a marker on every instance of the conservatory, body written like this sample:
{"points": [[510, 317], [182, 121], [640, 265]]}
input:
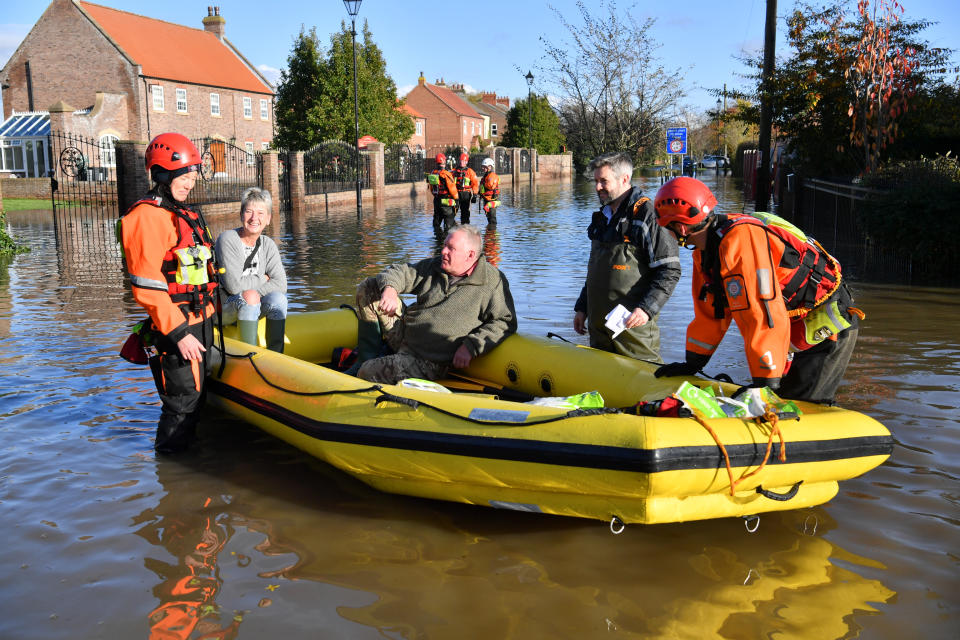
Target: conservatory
{"points": [[24, 145]]}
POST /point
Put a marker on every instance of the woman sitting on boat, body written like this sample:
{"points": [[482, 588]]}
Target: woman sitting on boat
{"points": [[254, 279], [464, 309]]}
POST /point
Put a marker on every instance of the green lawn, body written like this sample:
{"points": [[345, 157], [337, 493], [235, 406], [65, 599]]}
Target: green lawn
{"points": [[26, 204]]}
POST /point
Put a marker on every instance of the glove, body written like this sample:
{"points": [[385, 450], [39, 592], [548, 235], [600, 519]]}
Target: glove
{"points": [[694, 362], [759, 383]]}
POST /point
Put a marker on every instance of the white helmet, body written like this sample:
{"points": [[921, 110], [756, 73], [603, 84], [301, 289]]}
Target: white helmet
{"points": [[487, 162]]}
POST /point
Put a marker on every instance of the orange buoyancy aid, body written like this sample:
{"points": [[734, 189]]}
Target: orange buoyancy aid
{"points": [[466, 179], [444, 185], [490, 186], [815, 274], [186, 266]]}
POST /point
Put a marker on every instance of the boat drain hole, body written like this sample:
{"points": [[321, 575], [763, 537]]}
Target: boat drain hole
{"points": [[513, 374], [546, 384]]}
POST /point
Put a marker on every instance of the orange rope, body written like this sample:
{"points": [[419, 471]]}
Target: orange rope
{"points": [[769, 416]]}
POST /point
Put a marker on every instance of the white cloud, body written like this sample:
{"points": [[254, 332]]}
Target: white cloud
{"points": [[404, 90], [270, 73]]}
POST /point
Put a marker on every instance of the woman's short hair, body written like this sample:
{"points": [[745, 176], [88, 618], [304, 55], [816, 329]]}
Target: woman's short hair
{"points": [[256, 194]]}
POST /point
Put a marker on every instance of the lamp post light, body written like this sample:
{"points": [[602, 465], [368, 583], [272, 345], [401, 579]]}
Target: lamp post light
{"points": [[529, 78], [353, 8]]}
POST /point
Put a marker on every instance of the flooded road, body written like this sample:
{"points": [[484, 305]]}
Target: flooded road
{"points": [[246, 537]]}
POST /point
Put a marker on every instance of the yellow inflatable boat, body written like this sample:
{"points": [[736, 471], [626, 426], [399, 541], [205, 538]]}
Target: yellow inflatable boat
{"points": [[482, 445]]}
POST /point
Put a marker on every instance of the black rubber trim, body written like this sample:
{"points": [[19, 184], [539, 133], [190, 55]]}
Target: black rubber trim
{"points": [[569, 454]]}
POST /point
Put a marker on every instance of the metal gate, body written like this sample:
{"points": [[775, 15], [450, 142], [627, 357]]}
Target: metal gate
{"points": [[283, 175], [524, 160], [83, 185], [504, 161], [227, 171], [331, 166], [402, 164]]}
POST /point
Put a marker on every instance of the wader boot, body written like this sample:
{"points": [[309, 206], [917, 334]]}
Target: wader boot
{"points": [[275, 331], [369, 344], [248, 331]]}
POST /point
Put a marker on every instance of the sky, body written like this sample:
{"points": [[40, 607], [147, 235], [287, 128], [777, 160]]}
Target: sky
{"points": [[488, 45]]}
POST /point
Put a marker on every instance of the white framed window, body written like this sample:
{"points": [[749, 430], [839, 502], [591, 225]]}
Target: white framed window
{"points": [[157, 92], [419, 127], [250, 156], [215, 104], [264, 109], [473, 128], [264, 146], [493, 128], [108, 155], [464, 127], [181, 100], [248, 107]]}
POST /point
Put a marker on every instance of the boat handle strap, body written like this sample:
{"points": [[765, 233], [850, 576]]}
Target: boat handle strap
{"points": [[389, 397], [782, 497]]}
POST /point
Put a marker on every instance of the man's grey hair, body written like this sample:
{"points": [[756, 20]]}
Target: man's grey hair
{"points": [[253, 195], [473, 235], [618, 161]]}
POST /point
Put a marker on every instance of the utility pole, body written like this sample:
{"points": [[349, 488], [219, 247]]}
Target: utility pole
{"points": [[766, 108]]}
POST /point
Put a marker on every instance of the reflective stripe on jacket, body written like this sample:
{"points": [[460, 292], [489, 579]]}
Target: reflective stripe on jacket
{"points": [[168, 255], [766, 278]]}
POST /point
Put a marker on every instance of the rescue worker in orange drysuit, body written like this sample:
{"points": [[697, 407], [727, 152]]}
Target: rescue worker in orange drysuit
{"points": [[467, 185], [784, 291], [445, 196], [169, 255], [490, 191]]}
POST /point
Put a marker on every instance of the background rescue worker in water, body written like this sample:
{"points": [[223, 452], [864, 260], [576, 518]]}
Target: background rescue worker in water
{"points": [[169, 255], [445, 196], [784, 291], [490, 191], [467, 185], [633, 262]]}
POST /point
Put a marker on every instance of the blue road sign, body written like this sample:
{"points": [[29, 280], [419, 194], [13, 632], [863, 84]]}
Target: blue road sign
{"points": [[677, 140]]}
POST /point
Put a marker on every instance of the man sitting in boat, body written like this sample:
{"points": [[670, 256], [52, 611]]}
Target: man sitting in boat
{"points": [[464, 309], [784, 291]]}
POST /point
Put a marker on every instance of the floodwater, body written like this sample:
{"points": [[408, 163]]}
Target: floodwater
{"points": [[246, 537]]}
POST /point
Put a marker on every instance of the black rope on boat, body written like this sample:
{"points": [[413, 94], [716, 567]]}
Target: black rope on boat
{"points": [[416, 404]]}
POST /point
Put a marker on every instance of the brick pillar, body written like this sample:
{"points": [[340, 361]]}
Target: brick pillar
{"points": [[378, 177], [298, 190], [515, 159], [61, 117], [132, 179], [270, 178]]}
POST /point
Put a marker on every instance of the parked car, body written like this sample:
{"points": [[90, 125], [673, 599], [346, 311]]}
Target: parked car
{"points": [[712, 162], [689, 164]]}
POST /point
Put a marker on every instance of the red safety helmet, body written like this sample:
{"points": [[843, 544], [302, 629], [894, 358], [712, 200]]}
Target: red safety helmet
{"points": [[464, 157], [441, 159], [684, 200], [170, 155]]}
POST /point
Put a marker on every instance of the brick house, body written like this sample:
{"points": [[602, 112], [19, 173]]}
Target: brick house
{"points": [[494, 111], [116, 75], [450, 120], [418, 141]]}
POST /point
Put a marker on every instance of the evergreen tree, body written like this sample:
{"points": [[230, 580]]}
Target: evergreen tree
{"points": [[299, 115], [315, 97], [547, 137]]}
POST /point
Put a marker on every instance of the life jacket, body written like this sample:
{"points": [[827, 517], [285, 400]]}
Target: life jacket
{"points": [[439, 186], [815, 274], [187, 266], [490, 187], [462, 179]]}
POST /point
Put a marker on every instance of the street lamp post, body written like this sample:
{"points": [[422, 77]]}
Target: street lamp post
{"points": [[718, 134], [529, 78], [353, 8]]}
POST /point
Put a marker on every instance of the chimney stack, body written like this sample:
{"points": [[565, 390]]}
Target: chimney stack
{"points": [[214, 22]]}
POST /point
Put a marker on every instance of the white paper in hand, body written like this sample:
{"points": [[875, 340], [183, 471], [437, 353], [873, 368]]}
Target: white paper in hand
{"points": [[616, 319]]}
